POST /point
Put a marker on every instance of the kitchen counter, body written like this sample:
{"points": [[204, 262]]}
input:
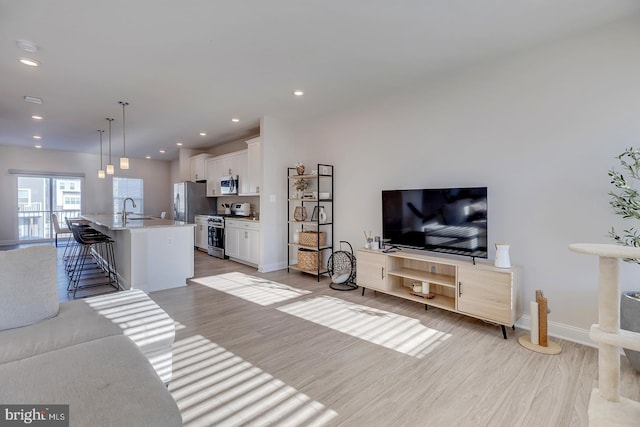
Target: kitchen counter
{"points": [[242, 218], [114, 222], [151, 254]]}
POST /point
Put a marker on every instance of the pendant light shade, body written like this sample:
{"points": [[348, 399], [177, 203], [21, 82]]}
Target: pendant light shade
{"points": [[124, 160], [110, 168], [101, 173]]}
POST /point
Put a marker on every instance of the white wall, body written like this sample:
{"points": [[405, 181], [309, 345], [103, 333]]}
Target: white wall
{"points": [[97, 193], [539, 129]]}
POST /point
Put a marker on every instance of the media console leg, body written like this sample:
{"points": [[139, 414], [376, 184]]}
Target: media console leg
{"points": [[504, 331], [363, 291], [426, 307]]}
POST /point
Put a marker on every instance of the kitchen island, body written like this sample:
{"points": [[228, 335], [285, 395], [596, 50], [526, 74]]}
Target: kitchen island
{"points": [[151, 253]]}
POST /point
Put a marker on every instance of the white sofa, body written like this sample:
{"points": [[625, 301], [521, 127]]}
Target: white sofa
{"points": [[107, 357]]}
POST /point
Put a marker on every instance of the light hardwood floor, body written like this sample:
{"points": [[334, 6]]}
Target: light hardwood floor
{"points": [[472, 378]]}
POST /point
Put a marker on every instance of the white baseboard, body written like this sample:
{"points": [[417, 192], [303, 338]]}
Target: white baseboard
{"points": [[266, 268], [8, 242], [560, 330]]}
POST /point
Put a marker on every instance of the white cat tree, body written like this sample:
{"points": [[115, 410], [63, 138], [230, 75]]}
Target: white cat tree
{"points": [[606, 407]]}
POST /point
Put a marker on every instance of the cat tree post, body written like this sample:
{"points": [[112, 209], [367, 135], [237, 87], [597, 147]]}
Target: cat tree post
{"points": [[606, 407]]}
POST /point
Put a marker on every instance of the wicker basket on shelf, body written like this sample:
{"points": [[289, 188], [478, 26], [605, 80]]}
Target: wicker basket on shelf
{"points": [[309, 260], [310, 238]]}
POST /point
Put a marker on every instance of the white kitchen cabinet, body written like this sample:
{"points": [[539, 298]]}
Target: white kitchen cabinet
{"points": [[225, 165], [202, 232], [253, 177], [232, 241], [198, 167], [214, 172], [242, 241], [239, 167]]}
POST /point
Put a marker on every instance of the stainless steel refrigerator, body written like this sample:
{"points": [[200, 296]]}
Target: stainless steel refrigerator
{"points": [[189, 199]]}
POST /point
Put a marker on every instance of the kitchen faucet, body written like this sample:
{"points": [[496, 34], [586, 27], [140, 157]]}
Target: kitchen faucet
{"points": [[124, 209]]}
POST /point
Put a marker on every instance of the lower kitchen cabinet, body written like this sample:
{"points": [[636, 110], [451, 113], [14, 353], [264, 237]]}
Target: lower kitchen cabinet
{"points": [[201, 233], [242, 241]]}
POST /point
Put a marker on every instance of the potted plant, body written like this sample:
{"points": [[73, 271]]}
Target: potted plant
{"points": [[300, 184], [625, 201]]}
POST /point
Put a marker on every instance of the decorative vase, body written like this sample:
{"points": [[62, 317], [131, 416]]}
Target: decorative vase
{"points": [[630, 321], [300, 213], [300, 169], [296, 236], [322, 215], [502, 256]]}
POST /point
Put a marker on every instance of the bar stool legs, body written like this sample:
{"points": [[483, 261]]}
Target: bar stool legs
{"points": [[91, 262]]}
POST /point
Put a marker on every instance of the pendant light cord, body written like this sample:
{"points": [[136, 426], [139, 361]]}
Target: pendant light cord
{"points": [[101, 132], [110, 120], [124, 143]]}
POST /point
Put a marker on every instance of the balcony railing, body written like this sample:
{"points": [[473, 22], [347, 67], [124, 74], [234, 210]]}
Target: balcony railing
{"points": [[36, 224]]}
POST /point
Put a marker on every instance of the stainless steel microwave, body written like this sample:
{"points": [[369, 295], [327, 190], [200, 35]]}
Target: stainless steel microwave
{"points": [[229, 184]]}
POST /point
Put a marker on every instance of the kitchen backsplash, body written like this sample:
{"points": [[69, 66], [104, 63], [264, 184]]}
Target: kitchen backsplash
{"points": [[254, 200]]}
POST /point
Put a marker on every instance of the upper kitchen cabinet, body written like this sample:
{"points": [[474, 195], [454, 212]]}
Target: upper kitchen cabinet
{"points": [[198, 167], [227, 164], [239, 167], [214, 172], [250, 185]]}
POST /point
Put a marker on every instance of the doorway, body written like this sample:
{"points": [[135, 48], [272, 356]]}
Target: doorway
{"points": [[39, 197]]}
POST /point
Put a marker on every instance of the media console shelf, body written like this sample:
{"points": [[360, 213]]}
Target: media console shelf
{"points": [[478, 290]]}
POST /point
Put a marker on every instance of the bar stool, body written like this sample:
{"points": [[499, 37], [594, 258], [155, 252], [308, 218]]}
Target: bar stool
{"points": [[93, 262], [72, 249]]}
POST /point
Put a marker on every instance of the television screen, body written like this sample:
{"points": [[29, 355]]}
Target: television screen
{"points": [[448, 220]]}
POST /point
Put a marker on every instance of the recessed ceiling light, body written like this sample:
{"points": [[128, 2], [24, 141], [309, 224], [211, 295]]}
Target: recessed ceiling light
{"points": [[27, 46], [235, 120], [30, 62], [147, 157], [298, 92], [38, 146], [37, 137], [179, 144], [162, 151], [203, 134], [33, 99], [36, 117]]}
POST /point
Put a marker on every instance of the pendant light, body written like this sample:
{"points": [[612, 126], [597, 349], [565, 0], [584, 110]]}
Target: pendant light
{"points": [[110, 168], [101, 174], [124, 160]]}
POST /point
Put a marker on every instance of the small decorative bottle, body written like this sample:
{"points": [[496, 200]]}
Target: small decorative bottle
{"points": [[296, 236], [322, 215]]}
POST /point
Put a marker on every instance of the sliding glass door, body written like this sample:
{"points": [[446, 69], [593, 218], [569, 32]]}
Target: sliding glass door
{"points": [[39, 197]]}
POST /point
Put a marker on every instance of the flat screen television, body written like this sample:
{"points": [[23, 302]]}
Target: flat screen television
{"points": [[447, 220]]}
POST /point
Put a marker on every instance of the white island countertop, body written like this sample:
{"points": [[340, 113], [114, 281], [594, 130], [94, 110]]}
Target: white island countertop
{"points": [[134, 221], [151, 254]]}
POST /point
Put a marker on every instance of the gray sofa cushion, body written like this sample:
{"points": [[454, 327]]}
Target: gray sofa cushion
{"points": [[76, 322], [27, 286], [140, 318], [105, 382]]}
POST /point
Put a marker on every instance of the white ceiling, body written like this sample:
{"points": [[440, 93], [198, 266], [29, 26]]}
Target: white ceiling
{"points": [[190, 66]]}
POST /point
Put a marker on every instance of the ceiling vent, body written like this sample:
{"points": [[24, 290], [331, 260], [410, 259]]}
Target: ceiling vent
{"points": [[33, 99]]}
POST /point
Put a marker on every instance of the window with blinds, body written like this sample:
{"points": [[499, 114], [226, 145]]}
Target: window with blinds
{"points": [[128, 187]]}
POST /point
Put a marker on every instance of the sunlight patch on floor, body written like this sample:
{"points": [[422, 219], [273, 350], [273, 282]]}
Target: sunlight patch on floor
{"points": [[400, 333], [254, 289], [213, 386]]}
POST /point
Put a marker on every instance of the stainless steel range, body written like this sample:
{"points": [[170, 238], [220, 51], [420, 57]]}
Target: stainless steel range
{"points": [[216, 236]]}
